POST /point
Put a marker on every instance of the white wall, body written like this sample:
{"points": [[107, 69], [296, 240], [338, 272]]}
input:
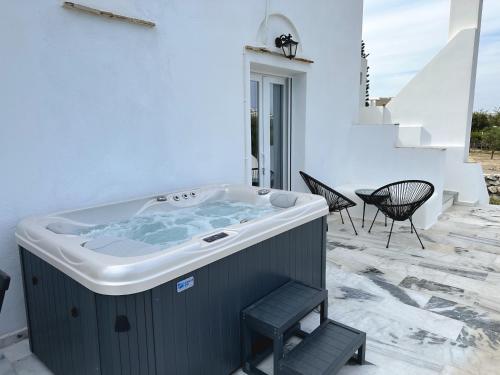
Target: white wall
{"points": [[363, 78], [332, 102], [464, 14], [465, 178], [371, 115], [94, 110]]}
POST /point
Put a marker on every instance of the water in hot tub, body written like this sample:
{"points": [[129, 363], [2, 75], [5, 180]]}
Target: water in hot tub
{"points": [[170, 228]]}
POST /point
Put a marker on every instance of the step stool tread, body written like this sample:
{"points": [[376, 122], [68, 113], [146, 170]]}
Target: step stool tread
{"points": [[325, 351], [281, 306]]}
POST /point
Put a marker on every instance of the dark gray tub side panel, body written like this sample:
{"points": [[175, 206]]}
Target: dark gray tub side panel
{"points": [[26, 269], [130, 351], [194, 332], [208, 315], [322, 276], [62, 319]]}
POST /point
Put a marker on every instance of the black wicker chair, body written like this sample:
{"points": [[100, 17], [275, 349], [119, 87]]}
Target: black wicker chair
{"points": [[401, 201], [4, 285], [336, 201]]}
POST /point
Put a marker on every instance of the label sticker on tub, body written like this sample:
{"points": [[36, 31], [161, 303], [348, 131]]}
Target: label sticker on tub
{"points": [[185, 284]]}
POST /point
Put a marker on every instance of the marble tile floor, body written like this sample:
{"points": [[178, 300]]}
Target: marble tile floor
{"points": [[432, 311]]}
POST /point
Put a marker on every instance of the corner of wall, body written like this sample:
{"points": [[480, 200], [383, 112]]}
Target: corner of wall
{"points": [[464, 14]]}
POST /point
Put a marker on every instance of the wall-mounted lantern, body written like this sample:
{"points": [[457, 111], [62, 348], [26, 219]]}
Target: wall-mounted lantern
{"points": [[288, 45]]}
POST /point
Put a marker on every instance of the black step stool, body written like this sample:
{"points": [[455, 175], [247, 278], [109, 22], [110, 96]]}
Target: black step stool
{"points": [[277, 316]]}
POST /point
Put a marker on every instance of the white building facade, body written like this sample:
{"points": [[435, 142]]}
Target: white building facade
{"points": [[94, 109]]}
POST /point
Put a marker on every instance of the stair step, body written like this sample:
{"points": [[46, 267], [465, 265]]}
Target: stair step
{"points": [[284, 307], [449, 198], [325, 350], [447, 195]]}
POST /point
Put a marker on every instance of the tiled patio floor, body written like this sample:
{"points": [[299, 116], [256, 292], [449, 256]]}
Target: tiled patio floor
{"points": [[433, 311]]}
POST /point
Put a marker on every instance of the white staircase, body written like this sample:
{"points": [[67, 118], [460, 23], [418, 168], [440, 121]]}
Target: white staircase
{"points": [[410, 135], [432, 117]]}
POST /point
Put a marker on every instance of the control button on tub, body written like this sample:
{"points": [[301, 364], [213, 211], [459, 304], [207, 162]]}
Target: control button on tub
{"points": [[215, 237]]}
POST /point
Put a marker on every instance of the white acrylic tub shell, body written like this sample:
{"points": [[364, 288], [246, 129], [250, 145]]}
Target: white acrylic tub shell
{"points": [[114, 275]]}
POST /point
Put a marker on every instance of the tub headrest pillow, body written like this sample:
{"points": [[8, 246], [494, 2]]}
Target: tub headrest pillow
{"points": [[122, 247], [65, 228], [283, 200]]}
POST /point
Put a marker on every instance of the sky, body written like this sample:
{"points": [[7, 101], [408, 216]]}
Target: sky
{"points": [[402, 36]]}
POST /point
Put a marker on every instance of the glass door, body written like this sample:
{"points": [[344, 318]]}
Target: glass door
{"points": [[275, 133], [269, 131]]}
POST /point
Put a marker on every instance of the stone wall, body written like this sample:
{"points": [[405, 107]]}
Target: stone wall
{"points": [[493, 185]]}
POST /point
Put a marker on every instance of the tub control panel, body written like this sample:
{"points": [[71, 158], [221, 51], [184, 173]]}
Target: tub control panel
{"points": [[215, 237]]}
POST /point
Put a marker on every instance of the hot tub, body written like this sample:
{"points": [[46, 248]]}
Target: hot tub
{"points": [[155, 285]]}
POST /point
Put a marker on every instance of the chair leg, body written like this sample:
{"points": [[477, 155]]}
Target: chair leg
{"points": [[385, 220], [278, 353], [411, 227], [246, 347], [390, 233], [361, 354], [363, 222], [340, 212], [324, 311], [415, 229], [370, 230], [353, 227]]}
